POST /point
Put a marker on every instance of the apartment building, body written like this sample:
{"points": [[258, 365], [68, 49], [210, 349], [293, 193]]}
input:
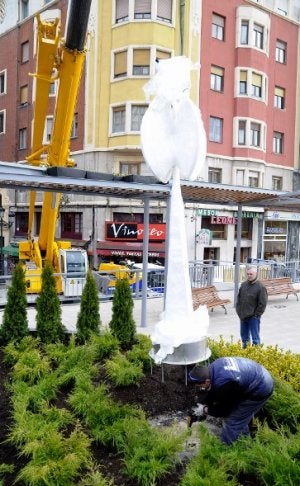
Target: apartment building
{"points": [[246, 89]]}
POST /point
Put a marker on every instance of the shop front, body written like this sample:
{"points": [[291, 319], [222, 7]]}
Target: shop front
{"points": [[222, 227], [124, 240], [281, 240]]}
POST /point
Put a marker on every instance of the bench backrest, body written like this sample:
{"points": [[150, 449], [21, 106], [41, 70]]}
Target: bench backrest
{"points": [[204, 294], [273, 282]]}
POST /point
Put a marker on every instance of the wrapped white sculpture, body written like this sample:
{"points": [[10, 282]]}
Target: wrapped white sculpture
{"points": [[174, 146]]}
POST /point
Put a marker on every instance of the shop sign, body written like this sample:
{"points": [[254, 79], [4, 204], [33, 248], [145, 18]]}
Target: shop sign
{"points": [[133, 231], [280, 215], [223, 220], [216, 212], [274, 230]]}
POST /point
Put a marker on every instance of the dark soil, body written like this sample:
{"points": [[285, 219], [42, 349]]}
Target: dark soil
{"points": [[171, 398], [153, 395]]}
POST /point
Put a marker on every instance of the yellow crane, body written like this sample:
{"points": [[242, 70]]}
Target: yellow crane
{"points": [[58, 60]]}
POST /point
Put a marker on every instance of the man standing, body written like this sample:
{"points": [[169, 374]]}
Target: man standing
{"points": [[251, 303], [233, 388]]}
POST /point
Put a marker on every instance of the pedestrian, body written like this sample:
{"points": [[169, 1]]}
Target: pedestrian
{"points": [[251, 303], [233, 388]]}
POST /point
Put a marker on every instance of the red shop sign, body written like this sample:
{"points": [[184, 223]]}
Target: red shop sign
{"points": [[133, 231]]}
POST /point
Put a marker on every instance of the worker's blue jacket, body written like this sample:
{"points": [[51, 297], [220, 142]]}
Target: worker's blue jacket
{"points": [[234, 380]]}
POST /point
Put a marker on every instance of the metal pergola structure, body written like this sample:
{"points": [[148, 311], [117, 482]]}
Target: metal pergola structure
{"points": [[24, 177]]}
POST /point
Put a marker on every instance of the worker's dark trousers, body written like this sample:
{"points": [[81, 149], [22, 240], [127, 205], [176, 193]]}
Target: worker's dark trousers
{"points": [[237, 422]]}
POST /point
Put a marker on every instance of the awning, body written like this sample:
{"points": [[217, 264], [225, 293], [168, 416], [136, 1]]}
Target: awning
{"points": [[11, 250], [127, 249]]}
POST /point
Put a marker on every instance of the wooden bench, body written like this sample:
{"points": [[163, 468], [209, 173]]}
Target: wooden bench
{"points": [[208, 296], [276, 286]]}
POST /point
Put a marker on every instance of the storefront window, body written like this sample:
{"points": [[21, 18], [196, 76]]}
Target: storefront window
{"points": [[247, 224], [219, 231], [275, 239]]}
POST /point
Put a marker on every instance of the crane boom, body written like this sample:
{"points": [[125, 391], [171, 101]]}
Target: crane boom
{"points": [[62, 61]]}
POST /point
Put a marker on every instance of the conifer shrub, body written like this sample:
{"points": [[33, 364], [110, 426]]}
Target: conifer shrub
{"points": [[122, 324], [15, 323], [49, 325], [123, 372], [88, 320]]}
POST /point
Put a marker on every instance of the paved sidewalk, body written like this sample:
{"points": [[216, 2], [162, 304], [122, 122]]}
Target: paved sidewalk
{"points": [[279, 324]]}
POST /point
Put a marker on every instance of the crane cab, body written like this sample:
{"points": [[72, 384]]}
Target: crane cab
{"points": [[74, 267]]}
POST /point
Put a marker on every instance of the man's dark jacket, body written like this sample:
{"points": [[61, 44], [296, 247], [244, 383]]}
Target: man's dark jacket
{"points": [[251, 300], [233, 380]]}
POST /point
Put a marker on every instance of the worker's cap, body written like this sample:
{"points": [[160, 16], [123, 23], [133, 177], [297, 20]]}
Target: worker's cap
{"points": [[199, 374]]}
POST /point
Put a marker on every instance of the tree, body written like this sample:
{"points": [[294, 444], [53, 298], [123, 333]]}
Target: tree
{"points": [[122, 324], [88, 320], [15, 322], [48, 310]]}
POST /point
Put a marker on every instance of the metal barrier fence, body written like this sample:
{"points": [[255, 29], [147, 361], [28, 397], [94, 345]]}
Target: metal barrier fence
{"points": [[201, 275]]}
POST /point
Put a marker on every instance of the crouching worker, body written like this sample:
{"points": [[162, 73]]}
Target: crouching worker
{"points": [[234, 389]]}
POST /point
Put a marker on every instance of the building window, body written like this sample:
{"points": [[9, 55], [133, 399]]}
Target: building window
{"points": [[240, 177], [160, 55], [279, 98], [219, 231], [276, 183], [242, 132], [141, 62], [258, 36], [21, 224], [48, 129], [278, 142], [71, 225], [24, 95], [244, 32], [280, 52], [2, 121], [122, 11], [137, 113], [52, 89], [255, 134], [218, 27], [127, 168], [24, 9], [253, 179], [256, 85], [120, 64], [216, 78], [214, 175], [215, 129], [2, 82], [23, 138], [164, 10], [118, 119], [25, 52], [74, 130], [243, 83], [247, 224], [142, 9], [128, 217]]}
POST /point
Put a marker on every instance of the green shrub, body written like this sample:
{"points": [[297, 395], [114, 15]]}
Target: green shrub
{"points": [[49, 325], [272, 457], [283, 407], [139, 353], [104, 345], [88, 320], [123, 372], [15, 323], [122, 324], [149, 453]]}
